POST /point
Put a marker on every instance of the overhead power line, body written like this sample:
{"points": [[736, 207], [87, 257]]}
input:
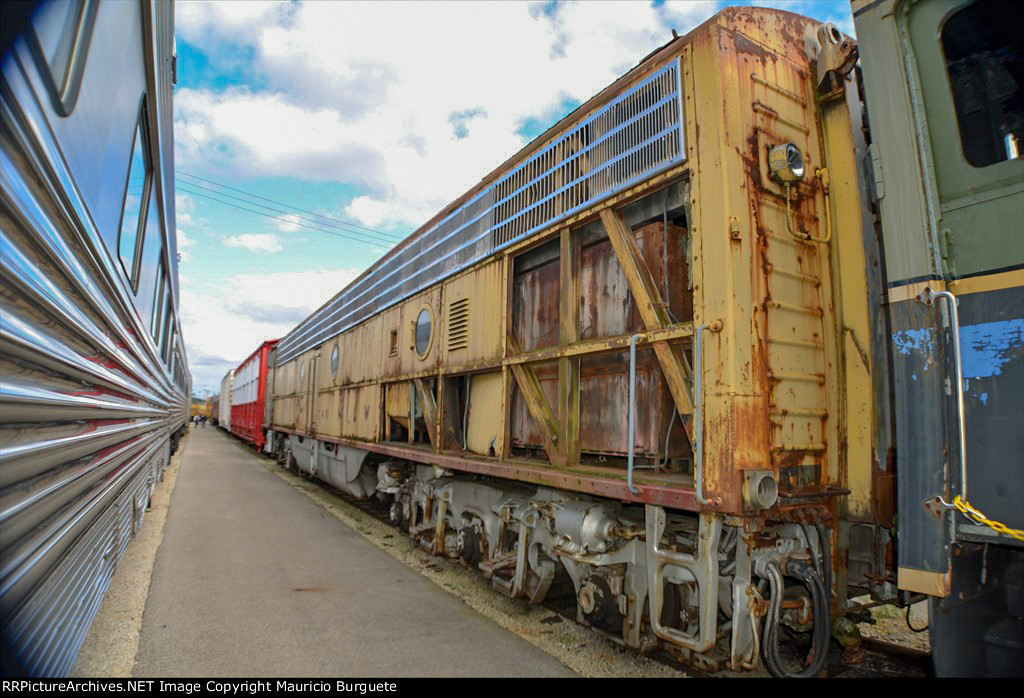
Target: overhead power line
{"points": [[301, 225], [291, 217], [321, 216]]}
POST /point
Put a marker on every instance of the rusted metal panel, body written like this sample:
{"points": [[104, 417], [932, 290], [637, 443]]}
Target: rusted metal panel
{"points": [[283, 411], [301, 396], [360, 354], [674, 495], [604, 399], [604, 392], [652, 309], [796, 281], [327, 415], [360, 412], [535, 293], [391, 341], [534, 423], [397, 402], [772, 393], [607, 307], [556, 312], [568, 405]]}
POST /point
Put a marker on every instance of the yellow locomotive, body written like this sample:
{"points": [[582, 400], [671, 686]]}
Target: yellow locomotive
{"points": [[649, 360]]}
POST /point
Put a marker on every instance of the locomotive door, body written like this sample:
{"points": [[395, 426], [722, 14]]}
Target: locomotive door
{"points": [[955, 115]]}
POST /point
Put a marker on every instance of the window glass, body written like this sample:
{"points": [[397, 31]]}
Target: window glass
{"points": [[62, 34], [423, 326], [158, 303], [135, 191], [165, 343], [302, 371], [985, 60], [334, 362]]}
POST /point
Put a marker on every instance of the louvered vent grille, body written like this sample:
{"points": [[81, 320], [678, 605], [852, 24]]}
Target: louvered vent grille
{"points": [[458, 324], [636, 135]]}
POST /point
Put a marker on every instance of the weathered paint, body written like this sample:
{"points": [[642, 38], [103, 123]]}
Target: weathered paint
{"points": [[988, 347], [554, 313]]}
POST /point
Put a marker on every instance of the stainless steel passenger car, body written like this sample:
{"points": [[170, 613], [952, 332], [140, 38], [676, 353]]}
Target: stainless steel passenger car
{"points": [[94, 379]]}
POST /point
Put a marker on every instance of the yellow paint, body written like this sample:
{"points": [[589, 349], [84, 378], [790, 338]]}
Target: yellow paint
{"points": [[482, 287], [959, 287], [852, 319], [777, 352], [988, 282], [909, 292], [485, 422], [924, 582], [782, 375], [409, 360]]}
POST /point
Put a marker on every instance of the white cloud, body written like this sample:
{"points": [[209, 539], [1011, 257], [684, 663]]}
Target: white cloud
{"points": [[184, 206], [411, 102], [185, 245], [289, 223], [224, 324], [255, 242]]}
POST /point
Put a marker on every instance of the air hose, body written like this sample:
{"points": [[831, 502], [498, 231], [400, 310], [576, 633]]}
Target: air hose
{"points": [[826, 552], [820, 603]]}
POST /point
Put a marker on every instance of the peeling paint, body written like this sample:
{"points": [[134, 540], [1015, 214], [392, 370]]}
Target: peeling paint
{"points": [[920, 342], [987, 347]]}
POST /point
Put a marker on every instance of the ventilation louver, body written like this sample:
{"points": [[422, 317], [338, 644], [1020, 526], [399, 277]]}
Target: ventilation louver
{"points": [[458, 324]]}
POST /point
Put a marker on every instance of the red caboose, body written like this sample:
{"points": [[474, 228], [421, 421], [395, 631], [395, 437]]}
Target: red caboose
{"points": [[249, 395]]}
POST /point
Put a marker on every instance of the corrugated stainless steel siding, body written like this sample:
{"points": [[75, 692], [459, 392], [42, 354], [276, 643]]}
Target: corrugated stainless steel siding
{"points": [[87, 405]]}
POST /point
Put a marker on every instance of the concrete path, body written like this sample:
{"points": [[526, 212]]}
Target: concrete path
{"points": [[252, 579]]}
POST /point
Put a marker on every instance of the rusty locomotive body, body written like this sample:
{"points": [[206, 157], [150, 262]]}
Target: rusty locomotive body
{"points": [[644, 362], [623, 364]]}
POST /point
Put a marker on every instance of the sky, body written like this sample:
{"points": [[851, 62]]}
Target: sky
{"points": [[310, 137]]}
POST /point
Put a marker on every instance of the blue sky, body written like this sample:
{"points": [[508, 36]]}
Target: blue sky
{"points": [[369, 117]]}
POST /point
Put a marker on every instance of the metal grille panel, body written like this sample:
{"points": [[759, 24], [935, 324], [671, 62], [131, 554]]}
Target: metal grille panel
{"points": [[635, 136], [458, 324]]}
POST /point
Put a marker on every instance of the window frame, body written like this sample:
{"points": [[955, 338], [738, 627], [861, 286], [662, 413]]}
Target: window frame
{"points": [[73, 52], [141, 135], [954, 95], [415, 327]]}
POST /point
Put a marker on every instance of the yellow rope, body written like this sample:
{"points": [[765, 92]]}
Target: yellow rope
{"points": [[976, 516]]}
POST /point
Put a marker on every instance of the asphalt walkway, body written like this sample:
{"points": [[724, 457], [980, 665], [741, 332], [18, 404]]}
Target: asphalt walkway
{"points": [[253, 579]]}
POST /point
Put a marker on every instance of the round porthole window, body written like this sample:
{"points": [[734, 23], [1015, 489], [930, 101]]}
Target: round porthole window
{"points": [[302, 371], [424, 331], [334, 362]]}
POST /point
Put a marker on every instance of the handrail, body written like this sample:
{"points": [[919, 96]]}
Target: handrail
{"points": [[928, 297], [632, 410], [698, 409]]}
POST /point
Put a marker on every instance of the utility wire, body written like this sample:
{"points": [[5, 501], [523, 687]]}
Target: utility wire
{"points": [[280, 203], [307, 226], [295, 219]]}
